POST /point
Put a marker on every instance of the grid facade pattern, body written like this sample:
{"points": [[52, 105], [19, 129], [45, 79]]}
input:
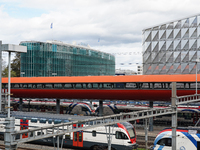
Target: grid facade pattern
{"points": [[55, 59], [172, 48]]}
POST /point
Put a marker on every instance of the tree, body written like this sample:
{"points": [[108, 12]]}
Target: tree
{"points": [[15, 65], [5, 73]]}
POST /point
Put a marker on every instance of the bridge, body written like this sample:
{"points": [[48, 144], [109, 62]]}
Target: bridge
{"points": [[135, 87]]}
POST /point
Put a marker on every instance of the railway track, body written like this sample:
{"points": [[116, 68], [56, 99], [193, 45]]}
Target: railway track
{"points": [[27, 146], [141, 141]]}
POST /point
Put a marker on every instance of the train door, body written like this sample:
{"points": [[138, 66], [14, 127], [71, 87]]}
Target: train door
{"points": [[78, 137], [23, 126]]}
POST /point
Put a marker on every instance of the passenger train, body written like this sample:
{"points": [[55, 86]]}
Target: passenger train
{"points": [[123, 135], [187, 115], [78, 108], [186, 138]]}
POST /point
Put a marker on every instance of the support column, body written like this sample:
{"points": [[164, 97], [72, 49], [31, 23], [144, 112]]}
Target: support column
{"points": [[174, 116], [151, 119], [29, 105], [9, 128], [57, 106], [20, 104], [100, 108]]}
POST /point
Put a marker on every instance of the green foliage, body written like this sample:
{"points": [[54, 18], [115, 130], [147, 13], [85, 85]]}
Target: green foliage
{"points": [[5, 73], [15, 67]]}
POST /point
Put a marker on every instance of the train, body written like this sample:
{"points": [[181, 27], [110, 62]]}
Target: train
{"points": [[186, 138], [73, 108], [187, 115], [123, 135]]}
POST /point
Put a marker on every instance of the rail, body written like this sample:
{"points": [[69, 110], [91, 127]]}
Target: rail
{"points": [[63, 128]]}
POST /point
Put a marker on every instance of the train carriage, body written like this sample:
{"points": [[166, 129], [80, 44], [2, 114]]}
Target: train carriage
{"points": [[186, 138]]}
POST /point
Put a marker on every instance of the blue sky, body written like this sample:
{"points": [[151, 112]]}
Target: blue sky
{"points": [[117, 23]]}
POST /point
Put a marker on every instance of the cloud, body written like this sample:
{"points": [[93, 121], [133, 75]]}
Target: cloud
{"points": [[118, 23]]}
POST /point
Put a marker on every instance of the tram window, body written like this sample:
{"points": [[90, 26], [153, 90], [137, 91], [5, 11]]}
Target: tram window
{"points": [[165, 142], [120, 135], [94, 133]]}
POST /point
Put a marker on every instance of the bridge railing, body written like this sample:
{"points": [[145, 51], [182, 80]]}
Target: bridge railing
{"points": [[63, 128], [188, 99]]}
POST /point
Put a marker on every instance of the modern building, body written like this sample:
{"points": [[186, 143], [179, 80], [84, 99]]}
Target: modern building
{"points": [[172, 47], [53, 58]]}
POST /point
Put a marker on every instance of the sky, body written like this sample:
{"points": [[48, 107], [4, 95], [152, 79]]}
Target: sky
{"points": [[111, 26]]}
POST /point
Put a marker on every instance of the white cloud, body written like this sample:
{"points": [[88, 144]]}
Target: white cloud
{"points": [[118, 23]]}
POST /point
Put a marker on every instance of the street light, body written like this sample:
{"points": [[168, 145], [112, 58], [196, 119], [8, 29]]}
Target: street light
{"points": [[10, 48]]}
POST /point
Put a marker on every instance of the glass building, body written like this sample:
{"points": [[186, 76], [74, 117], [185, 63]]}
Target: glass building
{"points": [[173, 47], [54, 58]]}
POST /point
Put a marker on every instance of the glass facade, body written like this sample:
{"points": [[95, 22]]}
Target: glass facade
{"points": [[173, 47], [60, 59]]}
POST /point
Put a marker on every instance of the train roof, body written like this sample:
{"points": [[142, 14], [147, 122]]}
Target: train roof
{"points": [[106, 79]]}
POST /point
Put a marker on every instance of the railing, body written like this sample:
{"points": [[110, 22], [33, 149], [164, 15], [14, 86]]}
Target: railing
{"points": [[188, 99], [63, 128]]}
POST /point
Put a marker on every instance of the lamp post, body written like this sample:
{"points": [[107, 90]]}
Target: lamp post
{"points": [[11, 48]]}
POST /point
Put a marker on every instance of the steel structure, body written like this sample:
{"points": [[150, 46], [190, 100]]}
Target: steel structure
{"points": [[63, 128], [12, 138], [172, 47], [143, 87]]}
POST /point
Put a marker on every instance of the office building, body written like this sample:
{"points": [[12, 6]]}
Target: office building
{"points": [[53, 58], [172, 47]]}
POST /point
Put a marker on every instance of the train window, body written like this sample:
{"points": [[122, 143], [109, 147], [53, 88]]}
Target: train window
{"points": [[131, 133], [75, 136], [198, 145], [120, 135], [69, 108], [165, 142], [40, 133], [84, 109], [94, 133], [67, 136]]}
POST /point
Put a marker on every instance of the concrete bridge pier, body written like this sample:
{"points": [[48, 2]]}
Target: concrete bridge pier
{"points": [[20, 104], [151, 119], [100, 108], [57, 106]]}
